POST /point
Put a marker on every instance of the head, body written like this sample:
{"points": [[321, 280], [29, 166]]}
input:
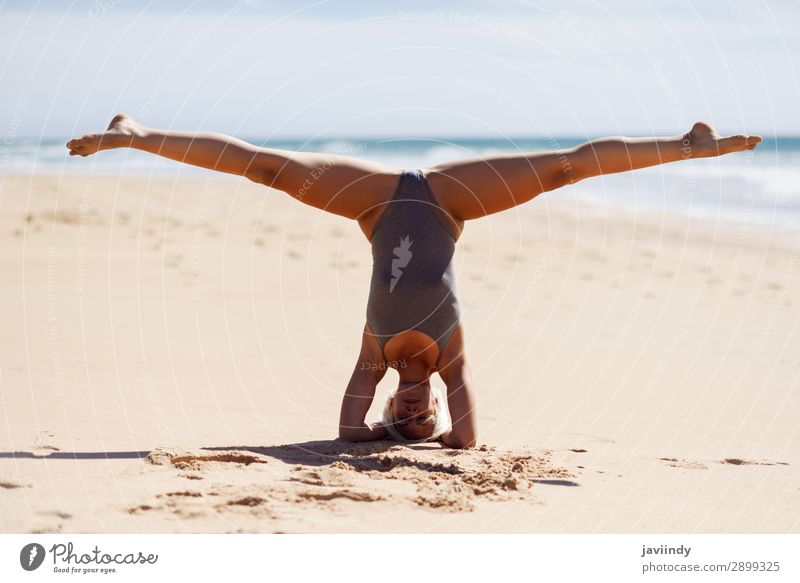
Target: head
{"points": [[416, 412]]}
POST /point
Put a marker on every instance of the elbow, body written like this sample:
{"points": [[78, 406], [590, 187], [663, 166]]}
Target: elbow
{"points": [[347, 434], [572, 167], [352, 434], [459, 441]]}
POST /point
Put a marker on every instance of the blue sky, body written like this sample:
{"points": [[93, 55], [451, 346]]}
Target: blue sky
{"points": [[446, 69]]}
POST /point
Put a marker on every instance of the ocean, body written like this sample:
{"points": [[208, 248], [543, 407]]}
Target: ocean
{"points": [[760, 188]]}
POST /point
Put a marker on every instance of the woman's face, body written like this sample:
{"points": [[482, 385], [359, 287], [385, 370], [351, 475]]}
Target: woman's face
{"points": [[414, 410]]}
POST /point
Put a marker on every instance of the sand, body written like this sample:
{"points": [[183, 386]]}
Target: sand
{"points": [[173, 351]]}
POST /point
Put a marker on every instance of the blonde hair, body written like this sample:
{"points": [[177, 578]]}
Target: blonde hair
{"points": [[441, 419]]}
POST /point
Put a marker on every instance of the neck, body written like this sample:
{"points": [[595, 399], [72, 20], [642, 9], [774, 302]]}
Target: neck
{"points": [[414, 372]]}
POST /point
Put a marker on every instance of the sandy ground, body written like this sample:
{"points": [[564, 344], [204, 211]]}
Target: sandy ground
{"points": [[173, 352]]}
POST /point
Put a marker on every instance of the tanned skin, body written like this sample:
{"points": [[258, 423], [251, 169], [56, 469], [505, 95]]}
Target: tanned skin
{"points": [[360, 190]]}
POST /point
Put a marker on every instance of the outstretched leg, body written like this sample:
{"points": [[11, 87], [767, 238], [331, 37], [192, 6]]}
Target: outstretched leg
{"points": [[345, 186], [470, 189]]}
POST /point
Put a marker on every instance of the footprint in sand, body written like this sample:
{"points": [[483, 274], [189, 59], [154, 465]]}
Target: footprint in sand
{"points": [[774, 286], [269, 228], [340, 494], [321, 477], [594, 438], [698, 465], [191, 461], [184, 493], [173, 260], [734, 461], [246, 501], [41, 447], [13, 485], [57, 514], [685, 464]]}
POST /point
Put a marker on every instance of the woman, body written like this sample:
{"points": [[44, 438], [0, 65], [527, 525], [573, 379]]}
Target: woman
{"points": [[413, 220]]}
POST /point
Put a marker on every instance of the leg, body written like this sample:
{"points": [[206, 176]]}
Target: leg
{"points": [[345, 186], [475, 188]]}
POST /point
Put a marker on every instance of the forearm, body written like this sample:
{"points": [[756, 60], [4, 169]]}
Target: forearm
{"points": [[461, 404], [356, 403], [205, 149]]}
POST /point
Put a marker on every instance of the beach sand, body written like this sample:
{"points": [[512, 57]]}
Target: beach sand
{"points": [[173, 353]]}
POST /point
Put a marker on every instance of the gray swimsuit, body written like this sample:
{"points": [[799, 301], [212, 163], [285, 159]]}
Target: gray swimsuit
{"points": [[413, 281]]}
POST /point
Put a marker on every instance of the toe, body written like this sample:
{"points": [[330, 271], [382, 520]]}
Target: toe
{"points": [[732, 144]]}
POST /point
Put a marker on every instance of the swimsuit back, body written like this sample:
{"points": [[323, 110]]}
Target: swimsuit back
{"points": [[413, 280]]}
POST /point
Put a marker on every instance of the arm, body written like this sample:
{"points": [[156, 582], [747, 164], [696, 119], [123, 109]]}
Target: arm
{"points": [[360, 393], [461, 403], [355, 404]]}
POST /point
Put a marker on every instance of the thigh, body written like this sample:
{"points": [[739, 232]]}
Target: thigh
{"points": [[470, 189], [349, 187]]}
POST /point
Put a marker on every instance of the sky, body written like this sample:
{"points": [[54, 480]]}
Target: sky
{"points": [[299, 69]]}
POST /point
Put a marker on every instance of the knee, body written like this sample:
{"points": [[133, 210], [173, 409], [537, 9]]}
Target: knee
{"points": [[261, 170]]}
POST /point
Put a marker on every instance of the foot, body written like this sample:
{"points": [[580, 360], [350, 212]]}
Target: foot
{"points": [[704, 142], [120, 133]]}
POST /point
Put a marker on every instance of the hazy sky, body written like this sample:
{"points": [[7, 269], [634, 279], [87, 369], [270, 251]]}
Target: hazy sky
{"points": [[446, 69]]}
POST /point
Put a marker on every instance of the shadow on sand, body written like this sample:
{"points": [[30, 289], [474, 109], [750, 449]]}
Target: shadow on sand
{"points": [[374, 455]]}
